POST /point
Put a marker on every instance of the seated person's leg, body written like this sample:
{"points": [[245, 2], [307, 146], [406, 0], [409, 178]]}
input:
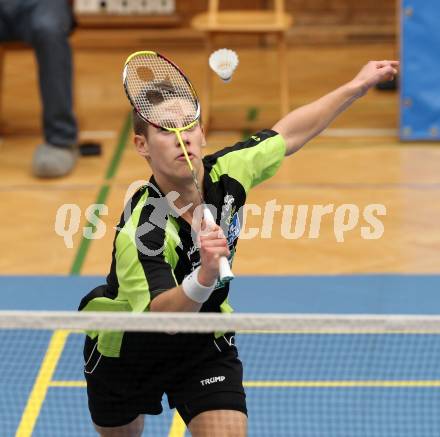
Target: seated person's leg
{"points": [[46, 25], [6, 33], [10, 18]]}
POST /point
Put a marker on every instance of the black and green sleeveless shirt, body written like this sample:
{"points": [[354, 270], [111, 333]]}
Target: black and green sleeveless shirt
{"points": [[154, 248]]}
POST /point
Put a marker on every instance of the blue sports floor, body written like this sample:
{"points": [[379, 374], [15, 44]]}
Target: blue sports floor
{"points": [[297, 384]]}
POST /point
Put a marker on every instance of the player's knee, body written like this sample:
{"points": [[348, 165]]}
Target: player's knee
{"points": [[219, 423], [132, 429]]}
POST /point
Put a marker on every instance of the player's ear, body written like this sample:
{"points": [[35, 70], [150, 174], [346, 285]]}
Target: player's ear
{"points": [[141, 145], [203, 135]]}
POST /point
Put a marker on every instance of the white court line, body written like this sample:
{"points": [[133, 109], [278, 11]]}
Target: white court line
{"points": [[330, 132], [85, 134], [98, 134], [336, 132], [359, 132]]}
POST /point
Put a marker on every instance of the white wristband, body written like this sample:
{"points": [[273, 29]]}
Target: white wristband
{"points": [[194, 289]]}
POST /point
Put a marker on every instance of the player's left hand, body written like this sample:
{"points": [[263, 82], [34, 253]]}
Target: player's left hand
{"points": [[373, 73]]}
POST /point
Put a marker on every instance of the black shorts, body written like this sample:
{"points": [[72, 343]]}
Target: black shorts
{"points": [[196, 371]]}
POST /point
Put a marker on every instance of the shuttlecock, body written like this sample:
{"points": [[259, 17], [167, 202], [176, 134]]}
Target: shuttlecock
{"points": [[224, 62]]}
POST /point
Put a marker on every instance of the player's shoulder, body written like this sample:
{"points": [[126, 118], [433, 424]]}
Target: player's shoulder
{"points": [[141, 203], [253, 140]]}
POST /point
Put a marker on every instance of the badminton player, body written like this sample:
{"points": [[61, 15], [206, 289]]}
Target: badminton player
{"points": [[164, 259]]}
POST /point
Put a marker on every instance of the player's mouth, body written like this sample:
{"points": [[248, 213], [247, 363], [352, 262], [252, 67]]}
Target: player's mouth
{"points": [[181, 157]]}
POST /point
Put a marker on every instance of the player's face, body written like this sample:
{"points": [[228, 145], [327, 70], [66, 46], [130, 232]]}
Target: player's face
{"points": [[162, 147]]}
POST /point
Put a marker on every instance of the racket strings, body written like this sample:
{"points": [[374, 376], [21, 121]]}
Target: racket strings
{"points": [[150, 81]]}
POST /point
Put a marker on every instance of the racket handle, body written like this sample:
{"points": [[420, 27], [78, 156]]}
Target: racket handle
{"points": [[226, 274]]}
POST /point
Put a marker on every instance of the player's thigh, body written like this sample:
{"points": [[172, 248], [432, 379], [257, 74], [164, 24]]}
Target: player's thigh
{"points": [[132, 429], [219, 423]]}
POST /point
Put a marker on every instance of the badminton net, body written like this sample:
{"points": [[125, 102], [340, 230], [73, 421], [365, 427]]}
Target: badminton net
{"points": [[304, 375]]}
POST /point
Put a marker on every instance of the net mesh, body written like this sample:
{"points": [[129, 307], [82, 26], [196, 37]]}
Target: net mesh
{"points": [[304, 375], [159, 92]]}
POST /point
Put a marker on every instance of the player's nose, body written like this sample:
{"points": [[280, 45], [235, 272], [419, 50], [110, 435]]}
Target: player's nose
{"points": [[185, 137]]}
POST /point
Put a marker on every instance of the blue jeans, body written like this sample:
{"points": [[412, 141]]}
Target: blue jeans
{"points": [[46, 25]]}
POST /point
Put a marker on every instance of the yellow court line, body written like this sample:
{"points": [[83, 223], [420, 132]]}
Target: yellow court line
{"points": [[39, 390], [293, 384], [178, 426], [75, 384]]}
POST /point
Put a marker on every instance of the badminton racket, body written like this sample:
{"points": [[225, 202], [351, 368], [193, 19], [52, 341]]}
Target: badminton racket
{"points": [[151, 79]]}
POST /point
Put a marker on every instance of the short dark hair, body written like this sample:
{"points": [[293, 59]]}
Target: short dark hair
{"points": [[140, 126]]}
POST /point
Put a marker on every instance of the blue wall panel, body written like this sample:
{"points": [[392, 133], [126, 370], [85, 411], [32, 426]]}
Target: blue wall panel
{"points": [[420, 70]]}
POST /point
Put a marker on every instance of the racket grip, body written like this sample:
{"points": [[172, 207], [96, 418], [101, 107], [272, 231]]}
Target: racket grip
{"points": [[226, 274]]}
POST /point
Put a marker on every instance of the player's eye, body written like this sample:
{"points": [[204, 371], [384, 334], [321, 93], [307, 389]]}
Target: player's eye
{"points": [[168, 123], [187, 122]]}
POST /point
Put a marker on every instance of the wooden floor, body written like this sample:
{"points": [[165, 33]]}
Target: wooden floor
{"points": [[358, 161]]}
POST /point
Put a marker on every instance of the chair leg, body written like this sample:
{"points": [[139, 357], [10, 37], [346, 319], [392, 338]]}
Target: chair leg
{"points": [[206, 103], [284, 74]]}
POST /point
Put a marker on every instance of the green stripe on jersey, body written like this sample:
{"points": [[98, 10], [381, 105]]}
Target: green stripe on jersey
{"points": [[252, 165], [172, 240], [133, 285]]}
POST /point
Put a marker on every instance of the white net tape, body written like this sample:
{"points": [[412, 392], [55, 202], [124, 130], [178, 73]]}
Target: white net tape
{"points": [[209, 322]]}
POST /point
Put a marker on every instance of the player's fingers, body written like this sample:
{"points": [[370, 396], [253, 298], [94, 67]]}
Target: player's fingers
{"points": [[207, 226], [217, 252], [389, 71], [222, 251], [214, 232], [213, 236], [211, 231], [386, 63], [214, 243], [204, 236]]}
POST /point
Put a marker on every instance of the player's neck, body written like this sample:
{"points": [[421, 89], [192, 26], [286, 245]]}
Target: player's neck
{"points": [[188, 194]]}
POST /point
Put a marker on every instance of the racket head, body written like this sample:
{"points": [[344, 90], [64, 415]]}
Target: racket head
{"points": [[160, 92]]}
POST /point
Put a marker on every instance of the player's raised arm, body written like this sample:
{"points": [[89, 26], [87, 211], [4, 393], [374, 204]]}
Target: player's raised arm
{"points": [[304, 123]]}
